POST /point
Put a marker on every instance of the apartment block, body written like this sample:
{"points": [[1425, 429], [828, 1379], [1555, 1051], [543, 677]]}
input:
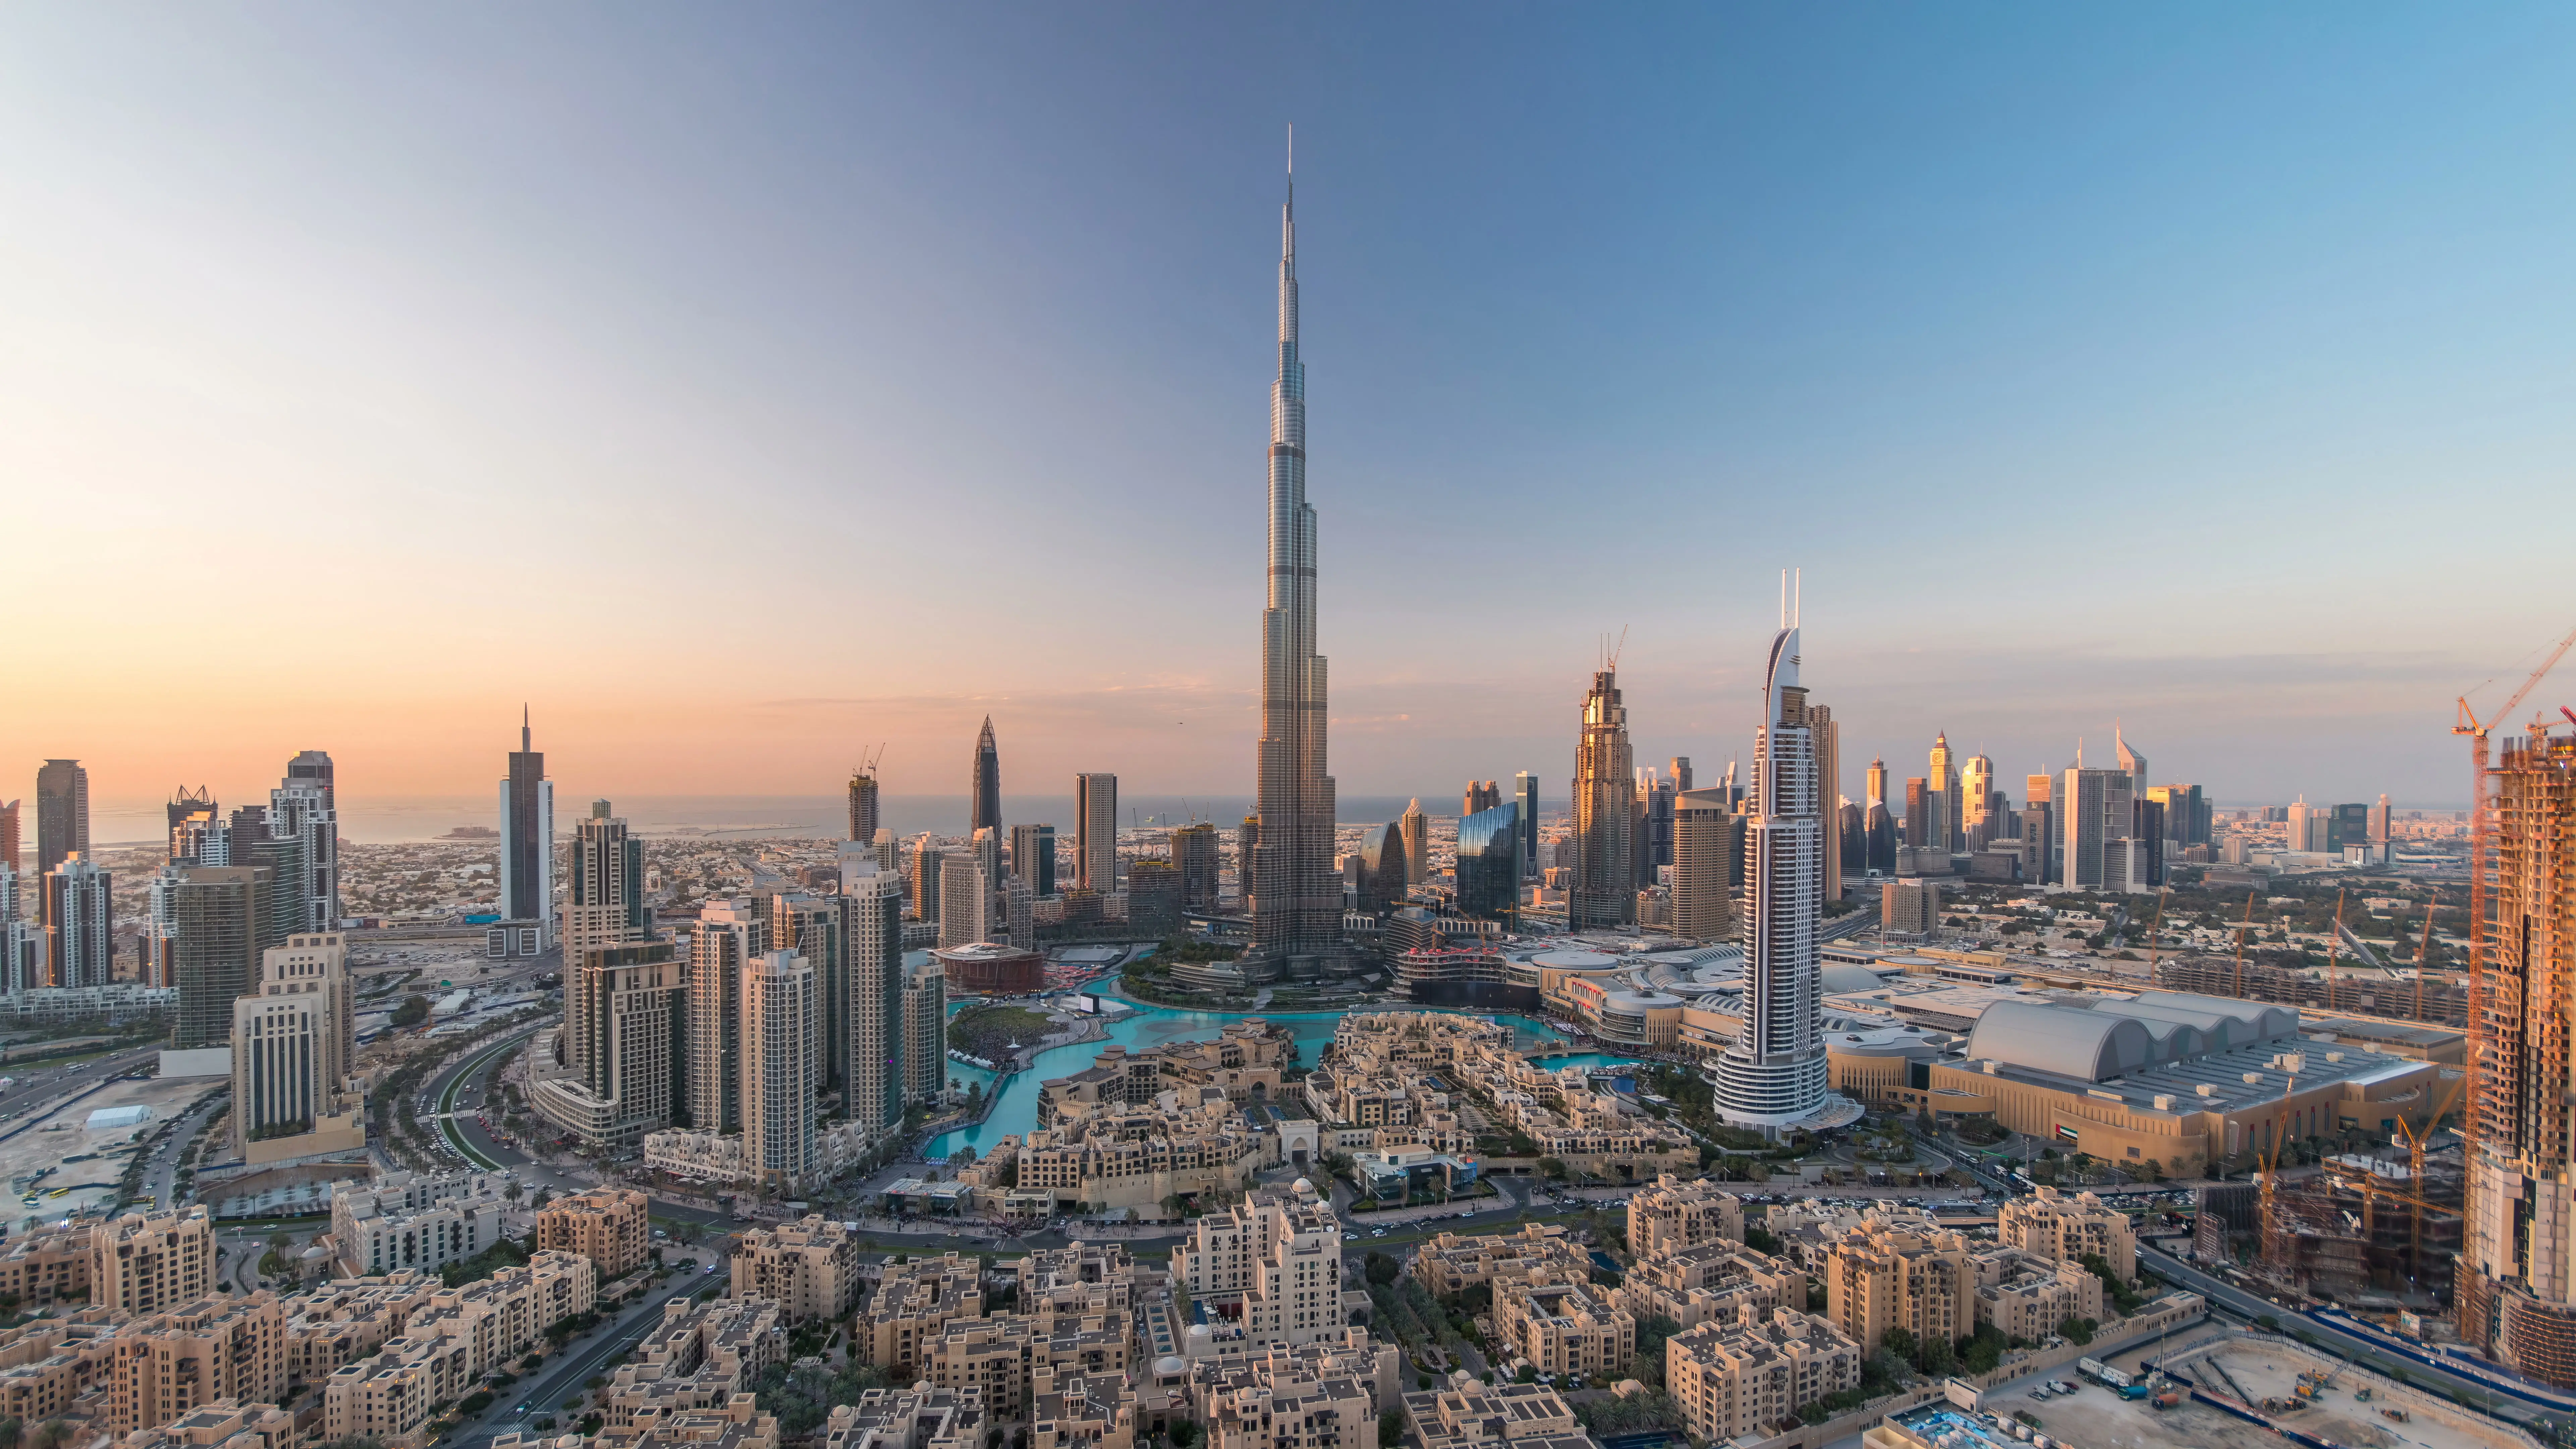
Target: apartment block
{"points": [[349, 1319], [1881, 1278], [1751, 1375], [608, 1225], [416, 1220], [700, 1357], [1277, 1258], [809, 1267], [736, 1424], [1711, 1283], [913, 1418], [2066, 1229], [1563, 1324], [163, 1365], [1451, 1263], [445, 1348], [47, 1364], [1082, 1411], [1675, 1214], [1291, 1412], [2028, 1297], [1287, 1371], [222, 1424], [1471, 1415], [914, 1302], [46, 1266], [144, 1263]]}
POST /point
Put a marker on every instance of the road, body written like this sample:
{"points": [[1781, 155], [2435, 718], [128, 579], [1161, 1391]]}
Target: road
{"points": [[564, 1373], [38, 1084], [2247, 1305]]}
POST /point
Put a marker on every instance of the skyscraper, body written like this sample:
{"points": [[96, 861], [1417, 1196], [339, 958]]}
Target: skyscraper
{"points": [[528, 837], [62, 812], [1774, 1074], [1415, 827], [1923, 829], [965, 900], [925, 1030], [1828, 738], [624, 1037], [1194, 855], [1944, 782], [1095, 833], [730, 935], [1489, 863], [780, 1030], [2379, 827], [294, 1040], [1877, 786], [79, 923], [2092, 809], [1681, 773], [872, 939], [9, 837], [604, 896], [1033, 856], [1481, 795], [305, 804], [1525, 791], [1290, 888], [1977, 802], [984, 811], [1708, 844], [198, 833], [1603, 892], [215, 921], [2131, 762], [2039, 814], [863, 805], [254, 838], [810, 926], [924, 883]]}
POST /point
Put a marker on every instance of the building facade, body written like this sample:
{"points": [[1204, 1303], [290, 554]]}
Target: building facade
{"points": [[1603, 891], [1775, 1074], [528, 837], [781, 1033]]}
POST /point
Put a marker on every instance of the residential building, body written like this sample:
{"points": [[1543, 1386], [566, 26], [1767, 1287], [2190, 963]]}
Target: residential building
{"points": [[608, 1225], [293, 1044], [1775, 1074], [149, 1262], [872, 940], [703, 1356], [1153, 898], [80, 923], [2026, 1298], [1095, 839], [809, 1267], [913, 1304], [925, 1031], [528, 837], [1713, 1282], [1881, 1278], [1825, 740], [1274, 1260], [611, 1072], [1451, 1264], [2091, 809], [1673, 1214], [447, 1349], [179, 1359], [863, 803], [412, 1220], [927, 857], [1414, 828], [965, 912], [1708, 864], [1748, 1378], [604, 887], [305, 805], [1912, 906], [1489, 867], [1603, 893], [1563, 1324], [919, 1417], [1474, 1415], [2066, 1229], [781, 1032], [1194, 855], [730, 935], [62, 813], [1033, 857]]}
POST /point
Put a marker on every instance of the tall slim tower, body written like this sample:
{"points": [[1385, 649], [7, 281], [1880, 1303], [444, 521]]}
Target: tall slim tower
{"points": [[528, 837], [863, 805], [306, 804], [1827, 738], [1415, 829], [1525, 791], [985, 813], [1877, 786], [604, 899], [1774, 1075], [2131, 761], [781, 1028], [1293, 894], [872, 937], [1604, 892], [1977, 800], [62, 812], [1944, 781], [1095, 833], [730, 935]]}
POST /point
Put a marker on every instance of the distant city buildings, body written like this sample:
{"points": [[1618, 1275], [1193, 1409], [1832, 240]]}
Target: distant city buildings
{"points": [[62, 813], [1095, 841], [1033, 856]]}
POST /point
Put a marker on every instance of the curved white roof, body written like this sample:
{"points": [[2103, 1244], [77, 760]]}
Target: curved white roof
{"points": [[1842, 976], [2068, 1041], [1575, 960]]}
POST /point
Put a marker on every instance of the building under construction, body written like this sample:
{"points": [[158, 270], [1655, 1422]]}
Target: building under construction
{"points": [[2438, 1001], [2517, 1275], [2360, 1228]]}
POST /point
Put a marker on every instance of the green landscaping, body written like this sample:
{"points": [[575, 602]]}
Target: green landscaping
{"points": [[988, 1031]]}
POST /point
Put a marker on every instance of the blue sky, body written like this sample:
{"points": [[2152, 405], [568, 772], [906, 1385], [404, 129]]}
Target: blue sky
{"points": [[740, 386]]}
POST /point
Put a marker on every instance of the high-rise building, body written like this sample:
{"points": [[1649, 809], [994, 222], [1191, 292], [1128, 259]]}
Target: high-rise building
{"points": [[1828, 738], [926, 857], [2379, 830], [528, 837], [1290, 889], [2039, 795], [1855, 839], [2186, 813], [1481, 795], [1923, 826], [23, 949], [1525, 791], [9, 836], [730, 934], [2515, 1287], [623, 1040], [1095, 833], [1774, 1075], [253, 838], [1681, 773], [1489, 863], [79, 924], [1944, 782], [925, 1031], [1877, 782], [1415, 827], [198, 832], [294, 1042], [62, 812], [1382, 874], [965, 900], [1153, 898], [1977, 799], [810, 926], [863, 806], [2133, 764], [604, 885], [216, 931], [305, 805], [2347, 825], [872, 938], [1604, 889], [1033, 856], [1881, 829], [2091, 809], [780, 1031], [984, 808], [1708, 859], [1194, 855], [1911, 906]]}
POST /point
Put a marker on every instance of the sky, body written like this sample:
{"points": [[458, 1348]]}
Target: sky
{"points": [[745, 388]]}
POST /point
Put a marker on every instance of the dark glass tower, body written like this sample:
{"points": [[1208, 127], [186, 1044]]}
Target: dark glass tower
{"points": [[527, 835], [1294, 896], [986, 812]]}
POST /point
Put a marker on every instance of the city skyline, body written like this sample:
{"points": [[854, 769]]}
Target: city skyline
{"points": [[1846, 270]]}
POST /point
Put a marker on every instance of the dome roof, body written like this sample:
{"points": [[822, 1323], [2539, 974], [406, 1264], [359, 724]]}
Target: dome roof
{"points": [[1575, 960], [1842, 976], [1303, 1187], [2067, 1041], [1171, 1363]]}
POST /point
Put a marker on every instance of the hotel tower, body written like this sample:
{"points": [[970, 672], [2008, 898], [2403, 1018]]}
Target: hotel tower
{"points": [[1774, 1075]]}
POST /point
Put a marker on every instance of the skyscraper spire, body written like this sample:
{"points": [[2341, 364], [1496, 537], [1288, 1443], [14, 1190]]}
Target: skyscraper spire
{"points": [[524, 746], [1294, 893], [984, 811]]}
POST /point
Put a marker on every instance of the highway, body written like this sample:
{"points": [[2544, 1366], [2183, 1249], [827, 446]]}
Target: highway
{"points": [[2247, 1305], [564, 1373]]}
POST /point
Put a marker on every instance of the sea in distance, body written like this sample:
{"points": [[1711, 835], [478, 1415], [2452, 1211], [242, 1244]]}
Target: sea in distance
{"points": [[384, 820]]}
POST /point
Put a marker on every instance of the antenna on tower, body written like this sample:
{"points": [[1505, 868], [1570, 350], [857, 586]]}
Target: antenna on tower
{"points": [[1618, 649], [1797, 594], [1784, 598]]}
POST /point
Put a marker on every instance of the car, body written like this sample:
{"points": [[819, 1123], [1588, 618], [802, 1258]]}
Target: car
{"points": [[711, 1267], [1377, 1232], [1350, 1237]]}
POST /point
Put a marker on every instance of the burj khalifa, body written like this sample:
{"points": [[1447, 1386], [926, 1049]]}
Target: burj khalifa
{"points": [[1294, 894]]}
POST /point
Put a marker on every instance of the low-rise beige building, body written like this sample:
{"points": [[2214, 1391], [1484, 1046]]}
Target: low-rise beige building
{"points": [[222, 1424], [610, 1226], [919, 1417], [462, 1334], [1675, 1214], [1291, 1411], [1751, 1376], [47, 1266], [2027, 1298], [701, 1357], [913, 1304], [810, 1267], [1882, 1278], [148, 1262], [1564, 1325], [1452, 1263], [165, 1364], [2051, 1225], [1472, 1415], [1712, 1282]]}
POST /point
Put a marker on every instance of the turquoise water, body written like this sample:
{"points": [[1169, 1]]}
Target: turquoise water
{"points": [[1150, 1026], [1584, 1059]]}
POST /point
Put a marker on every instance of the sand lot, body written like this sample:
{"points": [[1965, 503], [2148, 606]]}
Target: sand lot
{"points": [[59, 1136]]}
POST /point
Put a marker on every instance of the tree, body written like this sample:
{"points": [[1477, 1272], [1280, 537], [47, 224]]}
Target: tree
{"points": [[1390, 1429], [1899, 1341], [1380, 1268], [1552, 1167], [413, 1011], [2075, 1330], [511, 1192], [1184, 1434]]}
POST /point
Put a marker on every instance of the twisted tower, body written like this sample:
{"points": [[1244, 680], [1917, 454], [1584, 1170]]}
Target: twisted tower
{"points": [[1294, 895]]}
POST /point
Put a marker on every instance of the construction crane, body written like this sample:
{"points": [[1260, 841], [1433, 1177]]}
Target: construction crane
{"points": [[2155, 933]]}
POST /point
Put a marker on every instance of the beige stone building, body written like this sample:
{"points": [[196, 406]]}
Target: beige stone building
{"points": [[2027, 1298], [46, 1266], [1564, 1325], [1750, 1376], [1676, 1214], [611, 1226], [1291, 1411], [2065, 1229], [1082, 1411], [144, 1263], [222, 1424], [1450, 1263], [1272, 1263], [349, 1319], [1472, 1415], [1712, 1282], [48, 1363], [809, 1267], [1289, 1371], [913, 1304], [700, 1358], [462, 1334], [164, 1364], [1880, 1278], [1001, 1357], [915, 1418]]}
